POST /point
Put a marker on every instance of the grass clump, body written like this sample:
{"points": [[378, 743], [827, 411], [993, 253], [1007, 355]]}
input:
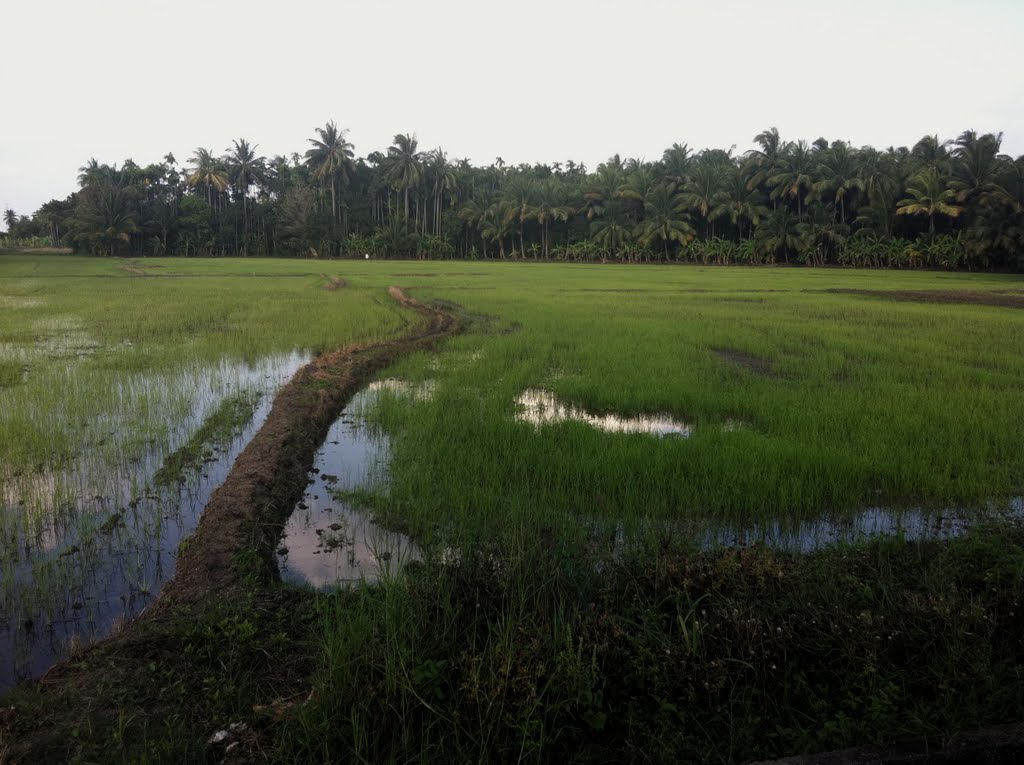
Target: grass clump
{"points": [[539, 656], [11, 374], [219, 429]]}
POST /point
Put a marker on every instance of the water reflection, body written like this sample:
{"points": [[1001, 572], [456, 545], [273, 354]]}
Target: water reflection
{"points": [[327, 541], [422, 391], [541, 407], [87, 547], [912, 525]]}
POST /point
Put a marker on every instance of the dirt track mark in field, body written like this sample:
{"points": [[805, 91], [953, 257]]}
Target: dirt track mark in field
{"points": [[445, 273], [1001, 299], [333, 282], [755, 364], [246, 513]]}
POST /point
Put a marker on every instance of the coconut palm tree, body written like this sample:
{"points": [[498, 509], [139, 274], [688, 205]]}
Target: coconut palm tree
{"points": [[703, 190], [518, 196], [764, 161], [244, 169], [737, 203], [778, 234], [794, 178], [445, 184], [92, 172], [471, 212], [821, 236], [10, 218], [550, 206], [929, 195], [932, 153], [208, 171], [330, 160], [405, 166], [675, 163], [837, 168], [665, 219], [601, 188], [104, 218], [610, 233], [637, 185], [496, 224], [976, 165]]}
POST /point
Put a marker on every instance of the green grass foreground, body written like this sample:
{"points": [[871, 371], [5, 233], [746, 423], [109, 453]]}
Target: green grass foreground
{"points": [[528, 634]]}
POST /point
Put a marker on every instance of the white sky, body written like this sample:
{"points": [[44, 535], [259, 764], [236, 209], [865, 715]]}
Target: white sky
{"points": [[528, 81]]}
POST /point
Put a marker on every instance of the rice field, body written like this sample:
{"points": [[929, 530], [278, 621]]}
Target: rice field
{"points": [[593, 428], [796, 402], [124, 404]]}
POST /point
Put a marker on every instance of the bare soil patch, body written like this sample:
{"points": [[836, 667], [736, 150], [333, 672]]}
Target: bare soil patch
{"points": [[1001, 299], [756, 364], [333, 282]]}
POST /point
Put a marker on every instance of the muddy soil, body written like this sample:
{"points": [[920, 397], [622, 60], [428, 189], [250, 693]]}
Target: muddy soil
{"points": [[755, 364], [246, 513]]}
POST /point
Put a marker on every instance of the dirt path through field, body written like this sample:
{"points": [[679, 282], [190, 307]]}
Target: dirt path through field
{"points": [[246, 513]]}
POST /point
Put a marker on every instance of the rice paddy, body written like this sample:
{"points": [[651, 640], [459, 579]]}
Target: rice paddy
{"points": [[596, 435], [132, 399]]}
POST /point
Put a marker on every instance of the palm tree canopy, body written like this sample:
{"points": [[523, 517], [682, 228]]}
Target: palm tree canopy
{"points": [[928, 195], [331, 156]]}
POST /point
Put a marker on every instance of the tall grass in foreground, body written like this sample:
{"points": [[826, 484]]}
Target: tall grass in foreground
{"points": [[716, 657]]}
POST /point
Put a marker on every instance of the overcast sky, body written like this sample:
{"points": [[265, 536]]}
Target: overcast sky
{"points": [[528, 81]]}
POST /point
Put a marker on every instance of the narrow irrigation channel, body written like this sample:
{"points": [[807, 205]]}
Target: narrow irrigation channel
{"points": [[223, 563]]}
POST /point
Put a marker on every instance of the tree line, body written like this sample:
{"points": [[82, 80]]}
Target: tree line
{"points": [[955, 204]]}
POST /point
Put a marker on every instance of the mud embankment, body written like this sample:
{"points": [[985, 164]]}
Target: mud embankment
{"points": [[243, 520]]}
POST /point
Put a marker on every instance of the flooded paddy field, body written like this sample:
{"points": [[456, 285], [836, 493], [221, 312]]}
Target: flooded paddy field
{"points": [[623, 506], [126, 409], [88, 545]]}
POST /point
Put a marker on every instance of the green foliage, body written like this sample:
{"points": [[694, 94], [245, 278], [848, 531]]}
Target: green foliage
{"points": [[797, 203], [730, 656]]}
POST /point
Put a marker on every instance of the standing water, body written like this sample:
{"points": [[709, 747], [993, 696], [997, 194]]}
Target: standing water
{"points": [[327, 542], [88, 547]]}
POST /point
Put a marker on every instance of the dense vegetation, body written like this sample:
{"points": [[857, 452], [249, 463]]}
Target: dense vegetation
{"points": [[940, 204]]}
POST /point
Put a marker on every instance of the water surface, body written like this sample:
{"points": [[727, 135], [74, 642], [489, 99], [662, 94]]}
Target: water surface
{"points": [[87, 547], [330, 542]]}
